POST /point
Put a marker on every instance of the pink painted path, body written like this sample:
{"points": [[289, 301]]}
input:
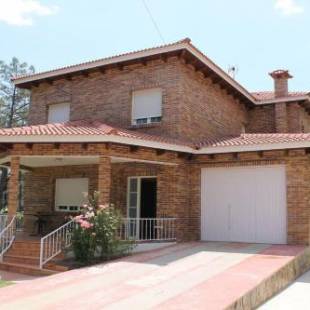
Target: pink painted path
{"points": [[198, 275]]}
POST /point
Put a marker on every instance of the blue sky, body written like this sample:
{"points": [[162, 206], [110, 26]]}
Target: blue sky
{"points": [[257, 36]]}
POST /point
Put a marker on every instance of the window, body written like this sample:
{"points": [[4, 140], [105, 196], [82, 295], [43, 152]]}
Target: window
{"points": [[146, 106], [59, 113], [70, 194]]}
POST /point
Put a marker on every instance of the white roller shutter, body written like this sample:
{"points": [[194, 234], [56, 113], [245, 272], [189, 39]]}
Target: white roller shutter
{"points": [[146, 103]]}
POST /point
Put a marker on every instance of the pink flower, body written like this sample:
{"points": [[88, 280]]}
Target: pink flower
{"points": [[85, 224]]}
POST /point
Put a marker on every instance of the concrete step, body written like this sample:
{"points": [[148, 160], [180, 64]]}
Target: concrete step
{"points": [[26, 269], [24, 252], [21, 259], [54, 266]]}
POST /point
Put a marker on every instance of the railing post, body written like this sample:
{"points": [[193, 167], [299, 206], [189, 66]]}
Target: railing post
{"points": [[41, 253]]}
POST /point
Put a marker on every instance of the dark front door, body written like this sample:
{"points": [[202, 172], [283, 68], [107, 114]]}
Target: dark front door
{"points": [[148, 207]]}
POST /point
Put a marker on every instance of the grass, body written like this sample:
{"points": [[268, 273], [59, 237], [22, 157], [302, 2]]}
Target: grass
{"points": [[5, 283]]}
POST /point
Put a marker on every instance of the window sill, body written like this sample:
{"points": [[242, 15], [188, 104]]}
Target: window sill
{"points": [[149, 125]]}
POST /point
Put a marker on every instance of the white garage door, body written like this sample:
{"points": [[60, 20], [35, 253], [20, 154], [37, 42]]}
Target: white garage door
{"points": [[246, 204]]}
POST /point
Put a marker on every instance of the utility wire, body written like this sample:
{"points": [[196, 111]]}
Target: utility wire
{"points": [[153, 21]]}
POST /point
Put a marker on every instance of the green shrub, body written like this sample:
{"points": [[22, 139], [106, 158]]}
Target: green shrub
{"points": [[96, 232]]}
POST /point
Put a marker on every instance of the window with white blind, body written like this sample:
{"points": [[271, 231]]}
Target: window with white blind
{"points": [[146, 106], [70, 194], [59, 113]]}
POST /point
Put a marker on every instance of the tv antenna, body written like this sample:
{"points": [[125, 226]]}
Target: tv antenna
{"points": [[232, 71]]}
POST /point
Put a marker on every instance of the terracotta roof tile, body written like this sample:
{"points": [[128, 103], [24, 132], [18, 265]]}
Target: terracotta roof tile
{"points": [[84, 127], [255, 139], [187, 40]]}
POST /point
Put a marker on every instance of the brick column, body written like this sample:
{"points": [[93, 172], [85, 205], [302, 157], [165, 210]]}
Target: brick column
{"points": [[13, 187], [281, 117], [104, 179]]}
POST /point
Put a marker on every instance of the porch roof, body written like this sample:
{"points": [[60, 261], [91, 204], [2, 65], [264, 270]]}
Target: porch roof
{"points": [[96, 132], [84, 131]]}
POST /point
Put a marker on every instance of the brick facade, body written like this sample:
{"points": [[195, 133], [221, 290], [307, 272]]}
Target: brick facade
{"points": [[297, 165], [94, 97], [194, 108]]}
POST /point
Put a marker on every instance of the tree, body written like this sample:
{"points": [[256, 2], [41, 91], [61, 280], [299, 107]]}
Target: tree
{"points": [[14, 102], [14, 105]]}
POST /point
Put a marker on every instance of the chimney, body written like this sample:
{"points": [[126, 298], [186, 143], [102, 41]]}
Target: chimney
{"points": [[280, 78]]}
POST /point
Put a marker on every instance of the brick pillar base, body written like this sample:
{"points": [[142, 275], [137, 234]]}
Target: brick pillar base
{"points": [[13, 187], [104, 180]]}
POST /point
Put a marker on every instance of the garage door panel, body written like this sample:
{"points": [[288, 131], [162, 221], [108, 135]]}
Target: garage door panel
{"points": [[246, 204]]}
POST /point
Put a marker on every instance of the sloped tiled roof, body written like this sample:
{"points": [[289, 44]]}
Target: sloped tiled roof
{"points": [[269, 95], [84, 128], [255, 139], [90, 129]]}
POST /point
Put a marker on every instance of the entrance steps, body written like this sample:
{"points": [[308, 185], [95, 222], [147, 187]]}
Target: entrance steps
{"points": [[24, 257]]}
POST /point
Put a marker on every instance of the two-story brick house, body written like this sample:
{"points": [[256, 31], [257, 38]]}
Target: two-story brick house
{"points": [[165, 133]]}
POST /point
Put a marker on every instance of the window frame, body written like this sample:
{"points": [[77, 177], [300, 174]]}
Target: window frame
{"points": [[55, 104], [150, 119]]}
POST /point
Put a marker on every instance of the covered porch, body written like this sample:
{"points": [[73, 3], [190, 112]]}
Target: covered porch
{"points": [[56, 186]]}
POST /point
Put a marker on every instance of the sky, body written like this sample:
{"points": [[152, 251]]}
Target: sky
{"points": [[256, 36]]}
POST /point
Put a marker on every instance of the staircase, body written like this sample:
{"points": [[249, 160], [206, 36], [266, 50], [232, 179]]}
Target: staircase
{"points": [[24, 257]]}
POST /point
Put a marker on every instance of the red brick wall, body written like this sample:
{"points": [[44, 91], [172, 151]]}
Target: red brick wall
{"points": [[40, 191], [193, 107], [261, 120], [206, 108]]}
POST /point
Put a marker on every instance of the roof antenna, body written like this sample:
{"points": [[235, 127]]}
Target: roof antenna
{"points": [[232, 71]]}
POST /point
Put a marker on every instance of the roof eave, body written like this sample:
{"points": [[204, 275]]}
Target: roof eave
{"points": [[185, 45], [283, 99], [253, 147]]}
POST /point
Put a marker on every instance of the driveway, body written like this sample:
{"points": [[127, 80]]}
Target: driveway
{"points": [[296, 296], [196, 275]]}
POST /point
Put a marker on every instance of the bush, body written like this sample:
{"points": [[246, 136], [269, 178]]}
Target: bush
{"points": [[96, 232]]}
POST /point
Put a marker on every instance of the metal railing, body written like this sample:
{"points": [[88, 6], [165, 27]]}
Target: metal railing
{"points": [[53, 243], [137, 229], [7, 236], [148, 229], [3, 221]]}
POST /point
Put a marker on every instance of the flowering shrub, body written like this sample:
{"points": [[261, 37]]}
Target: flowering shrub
{"points": [[95, 235]]}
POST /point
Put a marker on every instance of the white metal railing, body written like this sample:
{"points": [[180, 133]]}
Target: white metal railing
{"points": [[53, 243], [3, 220], [148, 229], [7, 236], [138, 229]]}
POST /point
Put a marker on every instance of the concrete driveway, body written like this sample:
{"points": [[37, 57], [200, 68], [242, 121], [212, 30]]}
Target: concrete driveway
{"points": [[200, 275]]}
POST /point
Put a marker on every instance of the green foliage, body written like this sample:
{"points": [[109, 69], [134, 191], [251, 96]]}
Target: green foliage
{"points": [[14, 102], [96, 232]]}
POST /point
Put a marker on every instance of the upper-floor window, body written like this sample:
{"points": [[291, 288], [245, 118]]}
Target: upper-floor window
{"points": [[147, 106], [59, 113]]}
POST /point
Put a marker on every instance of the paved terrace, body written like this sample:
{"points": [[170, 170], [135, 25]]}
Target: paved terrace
{"points": [[200, 275]]}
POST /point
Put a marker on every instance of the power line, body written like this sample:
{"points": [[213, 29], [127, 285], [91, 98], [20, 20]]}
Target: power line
{"points": [[153, 21]]}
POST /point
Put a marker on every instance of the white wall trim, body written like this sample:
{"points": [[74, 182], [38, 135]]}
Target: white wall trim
{"points": [[283, 99], [252, 148]]}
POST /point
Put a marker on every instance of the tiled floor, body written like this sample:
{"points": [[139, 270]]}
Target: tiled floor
{"points": [[200, 275]]}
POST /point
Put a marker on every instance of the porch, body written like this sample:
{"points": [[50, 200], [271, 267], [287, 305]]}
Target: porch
{"points": [[142, 190]]}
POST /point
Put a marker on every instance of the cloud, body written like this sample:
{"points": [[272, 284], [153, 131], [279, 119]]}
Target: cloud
{"points": [[21, 12], [288, 7]]}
